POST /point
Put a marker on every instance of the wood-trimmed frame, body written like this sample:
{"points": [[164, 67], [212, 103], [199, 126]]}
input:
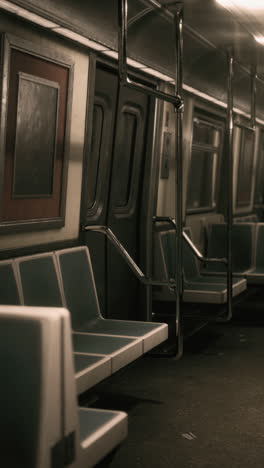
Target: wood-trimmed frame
{"points": [[8, 43]]}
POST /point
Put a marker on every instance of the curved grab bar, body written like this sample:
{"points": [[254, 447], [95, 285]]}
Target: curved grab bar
{"points": [[175, 99], [197, 253], [167, 219], [128, 259]]}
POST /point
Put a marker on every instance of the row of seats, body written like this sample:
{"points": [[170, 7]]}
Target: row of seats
{"points": [[247, 250], [65, 279], [198, 288], [42, 427], [199, 224]]}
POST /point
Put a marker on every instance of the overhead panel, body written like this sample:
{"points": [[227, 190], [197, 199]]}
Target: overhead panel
{"points": [[95, 19], [151, 39], [210, 20], [219, 27], [205, 67], [208, 32]]}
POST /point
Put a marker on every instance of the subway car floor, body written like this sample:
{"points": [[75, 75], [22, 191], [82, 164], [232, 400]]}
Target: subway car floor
{"points": [[204, 411]]}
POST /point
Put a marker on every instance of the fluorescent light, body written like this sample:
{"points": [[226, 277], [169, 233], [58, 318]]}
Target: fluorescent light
{"points": [[110, 53], [156, 73], [224, 3], [36, 19], [8, 6], [79, 38], [134, 63], [246, 4], [259, 39]]}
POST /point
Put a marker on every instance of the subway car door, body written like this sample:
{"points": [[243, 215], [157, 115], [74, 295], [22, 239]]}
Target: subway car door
{"points": [[116, 171]]}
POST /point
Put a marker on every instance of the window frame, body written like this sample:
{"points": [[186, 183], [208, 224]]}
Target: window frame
{"points": [[245, 208], [213, 121], [259, 168]]}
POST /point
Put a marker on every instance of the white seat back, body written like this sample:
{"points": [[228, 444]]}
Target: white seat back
{"points": [[37, 394]]}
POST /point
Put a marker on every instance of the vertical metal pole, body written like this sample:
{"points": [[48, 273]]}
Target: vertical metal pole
{"points": [[122, 39], [178, 104], [150, 213], [253, 96], [179, 177], [230, 135]]}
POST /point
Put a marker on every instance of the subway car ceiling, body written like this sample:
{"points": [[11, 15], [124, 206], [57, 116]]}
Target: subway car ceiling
{"points": [[209, 31]]}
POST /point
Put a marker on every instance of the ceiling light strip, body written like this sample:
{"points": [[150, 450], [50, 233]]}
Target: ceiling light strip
{"points": [[245, 4], [39, 20], [222, 104]]}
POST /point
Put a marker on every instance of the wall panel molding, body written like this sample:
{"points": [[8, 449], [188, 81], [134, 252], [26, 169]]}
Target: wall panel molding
{"points": [[35, 121]]}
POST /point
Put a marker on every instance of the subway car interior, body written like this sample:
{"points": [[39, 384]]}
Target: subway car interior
{"points": [[132, 233]]}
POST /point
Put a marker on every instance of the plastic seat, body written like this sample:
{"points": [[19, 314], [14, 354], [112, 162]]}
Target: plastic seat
{"points": [[243, 239], [121, 349], [197, 288], [42, 426], [98, 431], [205, 293], [30, 382], [41, 287], [81, 299], [256, 275], [9, 288], [193, 275], [90, 369]]}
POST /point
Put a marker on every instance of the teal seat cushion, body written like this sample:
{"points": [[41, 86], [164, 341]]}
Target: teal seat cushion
{"points": [[20, 390], [84, 361], [79, 287], [121, 327], [8, 286], [91, 420], [99, 344], [242, 239], [40, 282]]}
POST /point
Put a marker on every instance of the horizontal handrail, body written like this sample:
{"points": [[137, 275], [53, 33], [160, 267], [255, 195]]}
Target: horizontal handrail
{"points": [[246, 127], [122, 62], [197, 253], [159, 6], [128, 259]]}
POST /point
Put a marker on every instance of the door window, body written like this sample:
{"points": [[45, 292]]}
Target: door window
{"points": [[204, 162]]}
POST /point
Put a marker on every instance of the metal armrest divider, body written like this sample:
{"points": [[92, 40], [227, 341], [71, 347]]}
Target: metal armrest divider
{"points": [[128, 259]]}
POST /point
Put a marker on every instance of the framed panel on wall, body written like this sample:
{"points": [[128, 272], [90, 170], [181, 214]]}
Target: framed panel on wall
{"points": [[35, 114]]}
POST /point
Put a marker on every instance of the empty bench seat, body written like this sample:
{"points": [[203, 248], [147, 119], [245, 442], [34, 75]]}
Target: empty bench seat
{"points": [[243, 246], [205, 292], [42, 426], [40, 285], [193, 275], [256, 275], [43, 289], [9, 291], [121, 349], [197, 288], [81, 299], [90, 369]]}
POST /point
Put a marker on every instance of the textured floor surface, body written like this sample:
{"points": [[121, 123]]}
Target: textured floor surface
{"points": [[203, 411]]}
